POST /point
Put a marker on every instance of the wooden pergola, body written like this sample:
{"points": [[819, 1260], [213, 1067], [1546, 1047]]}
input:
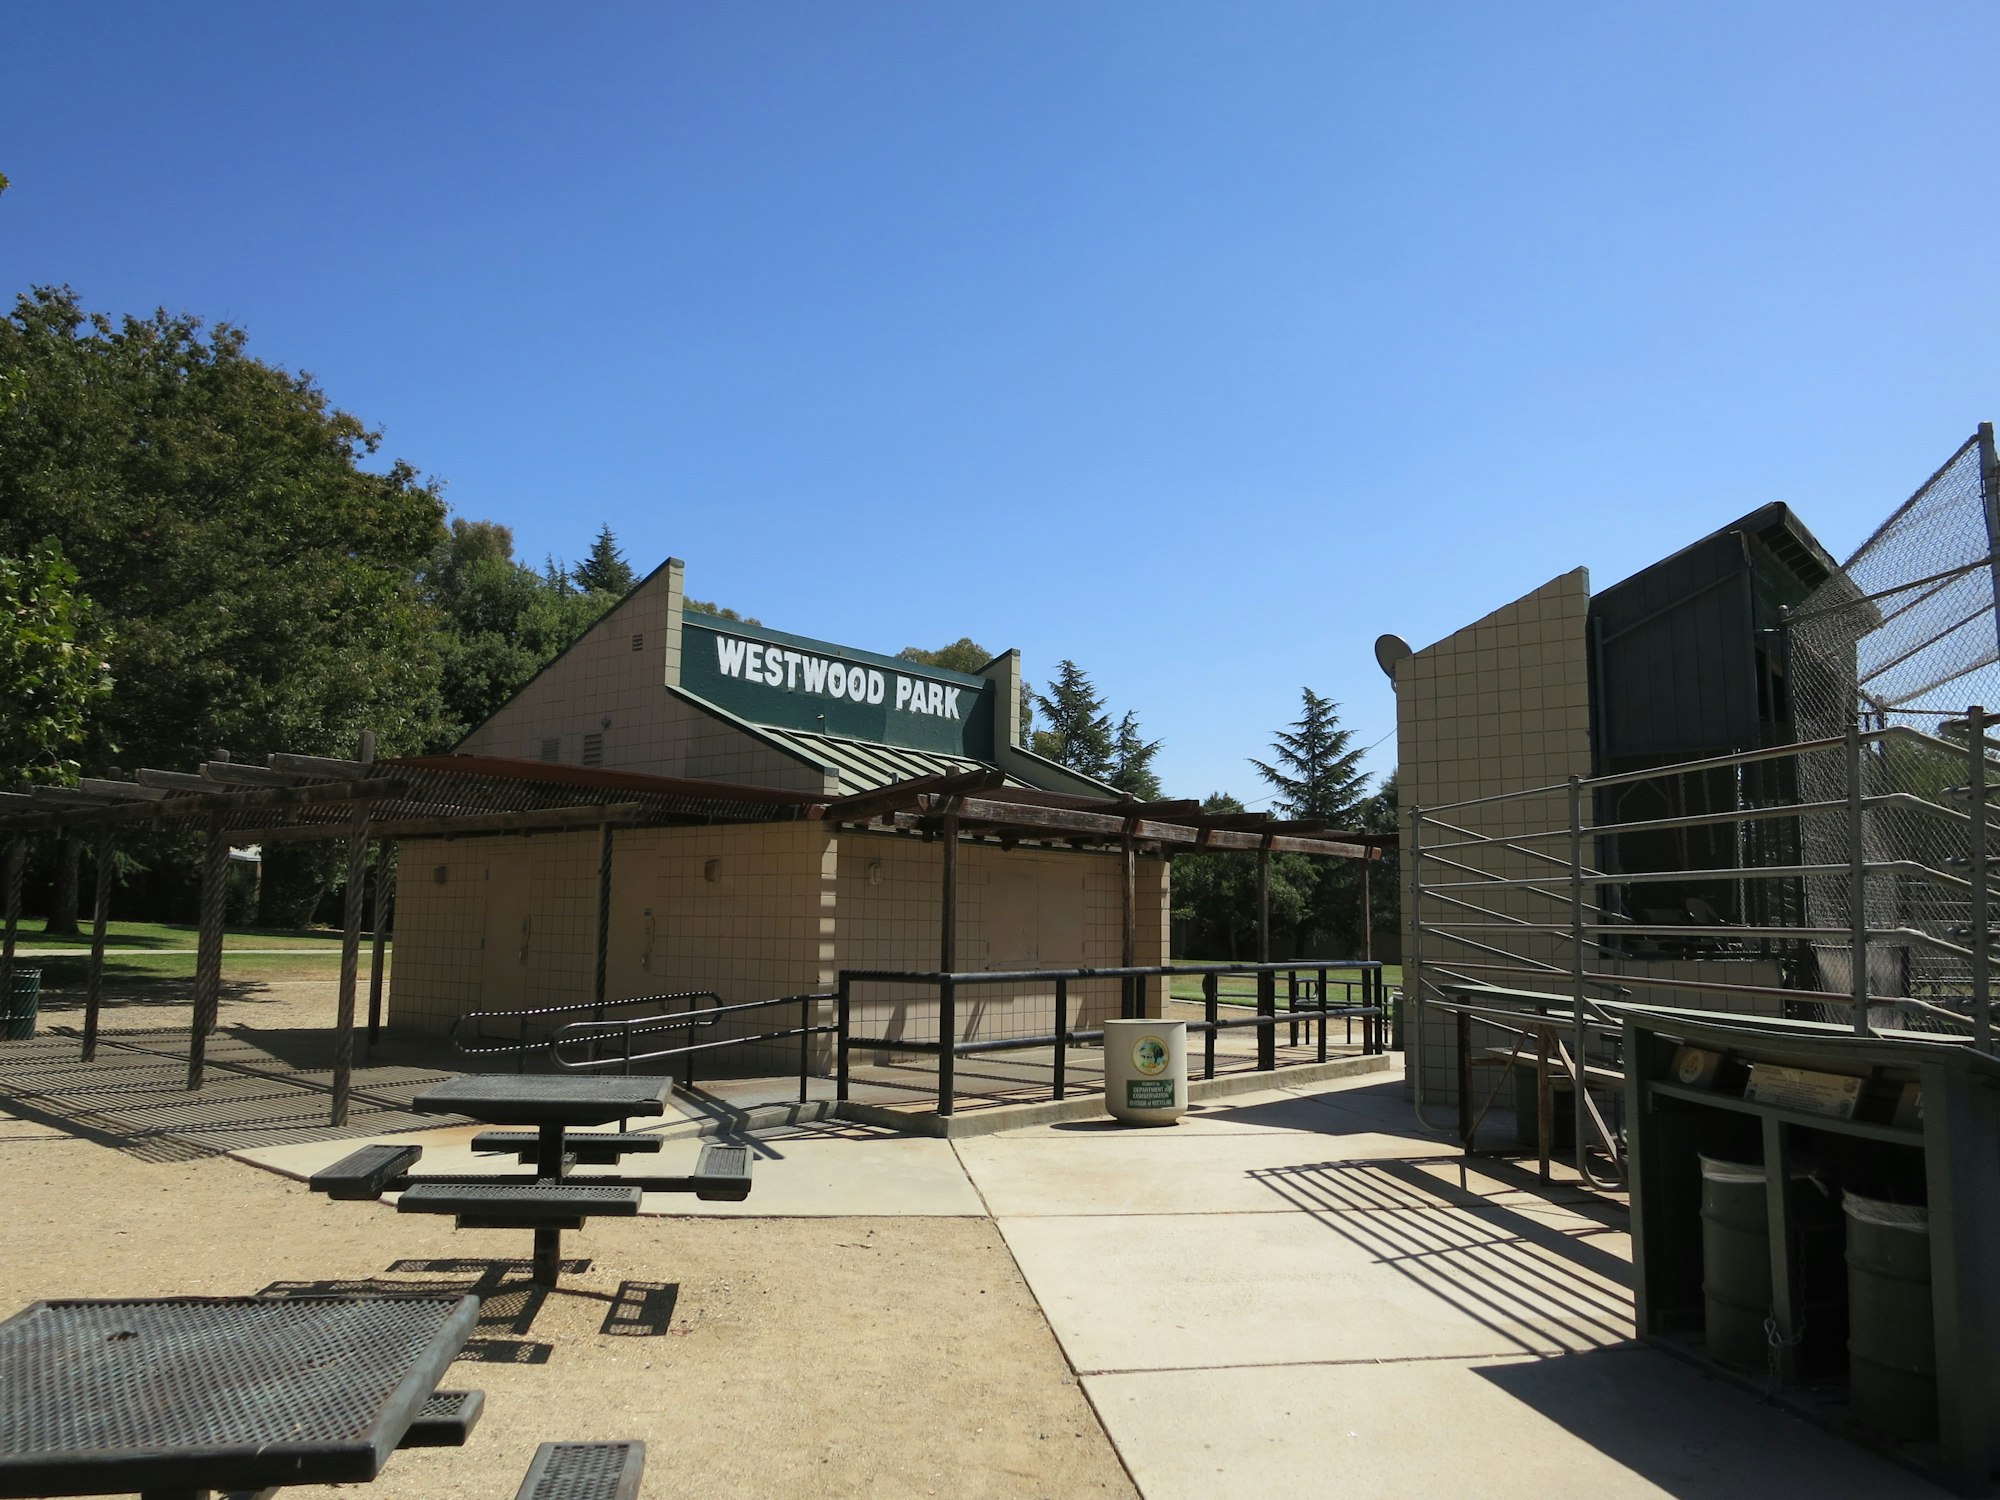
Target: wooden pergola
{"points": [[365, 800]]}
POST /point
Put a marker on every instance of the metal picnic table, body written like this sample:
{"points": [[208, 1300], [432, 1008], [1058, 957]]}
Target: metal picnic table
{"points": [[173, 1397]]}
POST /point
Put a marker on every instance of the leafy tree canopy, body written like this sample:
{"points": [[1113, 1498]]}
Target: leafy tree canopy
{"points": [[53, 668], [720, 611], [962, 655], [258, 584]]}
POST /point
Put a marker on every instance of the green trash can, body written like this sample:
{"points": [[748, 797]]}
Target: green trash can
{"points": [[1735, 1262], [19, 1025], [1892, 1339]]}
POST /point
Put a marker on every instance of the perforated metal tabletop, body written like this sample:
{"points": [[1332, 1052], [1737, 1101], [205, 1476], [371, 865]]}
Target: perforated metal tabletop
{"points": [[543, 1099], [225, 1393]]}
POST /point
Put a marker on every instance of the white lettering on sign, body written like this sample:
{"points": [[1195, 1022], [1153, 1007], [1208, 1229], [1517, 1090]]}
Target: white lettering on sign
{"points": [[751, 661]]}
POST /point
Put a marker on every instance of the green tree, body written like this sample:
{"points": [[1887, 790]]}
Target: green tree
{"points": [[501, 622], [1215, 895], [1315, 775], [1079, 735], [962, 655], [1132, 761], [605, 570], [53, 667], [720, 611], [257, 583], [1382, 813]]}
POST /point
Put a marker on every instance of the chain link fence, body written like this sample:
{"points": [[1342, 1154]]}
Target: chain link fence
{"points": [[1905, 635]]}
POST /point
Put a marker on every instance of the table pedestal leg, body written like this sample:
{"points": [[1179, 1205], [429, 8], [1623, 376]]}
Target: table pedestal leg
{"points": [[548, 1257]]}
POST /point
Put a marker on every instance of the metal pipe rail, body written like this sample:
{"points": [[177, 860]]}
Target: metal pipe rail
{"points": [[587, 1031], [1372, 1014], [521, 1046], [1856, 874]]}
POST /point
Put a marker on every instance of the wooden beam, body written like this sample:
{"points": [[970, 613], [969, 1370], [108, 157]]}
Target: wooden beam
{"points": [[173, 781], [129, 791], [319, 765], [536, 820], [865, 807], [67, 796], [1073, 821], [228, 804], [228, 773]]}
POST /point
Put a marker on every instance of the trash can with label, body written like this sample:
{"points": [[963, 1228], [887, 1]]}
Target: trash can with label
{"points": [[19, 1023], [1145, 1071], [1892, 1340]]}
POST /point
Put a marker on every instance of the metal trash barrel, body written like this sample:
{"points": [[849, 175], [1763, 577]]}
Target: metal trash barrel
{"points": [[1145, 1071], [1735, 1262], [1891, 1340], [22, 1006]]}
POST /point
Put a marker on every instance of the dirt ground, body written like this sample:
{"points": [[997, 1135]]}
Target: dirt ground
{"points": [[820, 1357]]}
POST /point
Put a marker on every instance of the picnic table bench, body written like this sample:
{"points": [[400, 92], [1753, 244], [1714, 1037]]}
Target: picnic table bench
{"points": [[550, 1200]]}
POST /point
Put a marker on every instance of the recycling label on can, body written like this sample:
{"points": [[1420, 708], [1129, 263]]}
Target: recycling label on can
{"points": [[1149, 1093]]}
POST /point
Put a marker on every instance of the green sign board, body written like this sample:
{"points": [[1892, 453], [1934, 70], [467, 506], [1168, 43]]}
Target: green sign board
{"points": [[1149, 1093], [791, 682]]}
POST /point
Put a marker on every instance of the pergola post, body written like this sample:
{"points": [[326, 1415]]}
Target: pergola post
{"points": [[1367, 917], [385, 885], [603, 913], [947, 964], [17, 853], [1129, 955], [1264, 905], [350, 955], [208, 948], [93, 984]]}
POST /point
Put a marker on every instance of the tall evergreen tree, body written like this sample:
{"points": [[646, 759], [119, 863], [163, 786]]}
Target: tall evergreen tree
{"points": [[1315, 774], [1079, 734], [1132, 761], [605, 570]]}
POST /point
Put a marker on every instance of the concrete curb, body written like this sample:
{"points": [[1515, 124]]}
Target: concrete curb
{"points": [[1090, 1106]]}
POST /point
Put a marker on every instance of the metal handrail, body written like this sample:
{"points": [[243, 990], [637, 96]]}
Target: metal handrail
{"points": [[522, 1046], [1369, 972], [588, 1031]]}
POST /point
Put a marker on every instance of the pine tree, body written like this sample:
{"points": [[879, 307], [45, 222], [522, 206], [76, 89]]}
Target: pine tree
{"points": [[1079, 732], [605, 570], [1316, 775], [1132, 761]]}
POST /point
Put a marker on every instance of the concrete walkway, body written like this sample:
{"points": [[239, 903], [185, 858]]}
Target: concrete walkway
{"points": [[1296, 1292]]}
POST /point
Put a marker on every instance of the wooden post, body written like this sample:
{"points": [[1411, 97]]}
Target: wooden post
{"points": [[603, 913], [1129, 952], [93, 988], [1264, 904], [17, 852], [350, 956], [385, 885], [1367, 916], [208, 948], [948, 963]]}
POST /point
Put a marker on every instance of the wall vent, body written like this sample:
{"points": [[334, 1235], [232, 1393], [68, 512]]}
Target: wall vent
{"points": [[552, 748], [593, 749], [639, 640]]}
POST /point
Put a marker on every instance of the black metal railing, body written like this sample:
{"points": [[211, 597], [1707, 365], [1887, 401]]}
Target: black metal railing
{"points": [[592, 1034], [949, 1047], [525, 1032]]}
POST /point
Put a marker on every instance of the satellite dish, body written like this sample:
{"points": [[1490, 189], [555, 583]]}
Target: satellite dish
{"points": [[1390, 649]]}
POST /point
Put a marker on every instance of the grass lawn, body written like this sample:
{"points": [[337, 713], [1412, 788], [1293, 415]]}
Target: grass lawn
{"points": [[166, 935], [306, 955], [1242, 989]]}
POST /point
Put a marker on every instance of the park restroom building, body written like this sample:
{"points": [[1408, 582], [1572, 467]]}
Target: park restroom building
{"points": [[758, 894]]}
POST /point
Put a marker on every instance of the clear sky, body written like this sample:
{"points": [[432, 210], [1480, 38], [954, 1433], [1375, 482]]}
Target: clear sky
{"points": [[1200, 343]]}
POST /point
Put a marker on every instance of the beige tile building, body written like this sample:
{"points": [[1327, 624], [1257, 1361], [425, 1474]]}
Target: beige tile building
{"points": [[755, 911]]}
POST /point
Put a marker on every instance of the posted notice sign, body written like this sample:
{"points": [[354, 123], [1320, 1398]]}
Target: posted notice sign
{"points": [[1149, 1093]]}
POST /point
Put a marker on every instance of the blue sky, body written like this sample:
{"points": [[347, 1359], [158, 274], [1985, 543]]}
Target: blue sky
{"points": [[1200, 343]]}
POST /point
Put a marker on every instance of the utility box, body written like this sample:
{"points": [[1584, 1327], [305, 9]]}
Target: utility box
{"points": [[1903, 1129]]}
